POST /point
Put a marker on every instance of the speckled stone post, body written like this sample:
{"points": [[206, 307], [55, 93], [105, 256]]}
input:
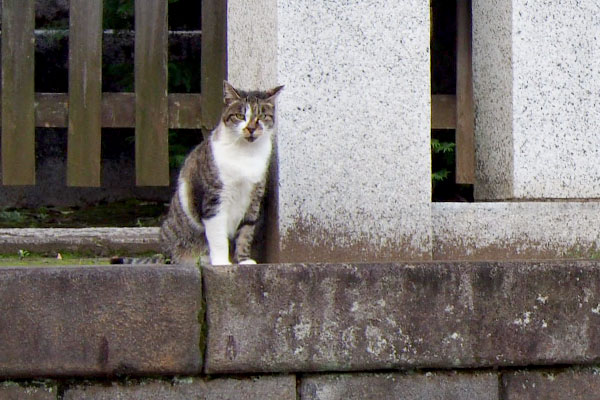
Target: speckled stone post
{"points": [[536, 75], [353, 162]]}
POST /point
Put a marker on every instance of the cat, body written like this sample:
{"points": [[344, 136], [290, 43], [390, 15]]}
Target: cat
{"points": [[221, 184]]}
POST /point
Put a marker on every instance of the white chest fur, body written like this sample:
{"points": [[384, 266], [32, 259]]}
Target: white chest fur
{"points": [[241, 166], [242, 161]]}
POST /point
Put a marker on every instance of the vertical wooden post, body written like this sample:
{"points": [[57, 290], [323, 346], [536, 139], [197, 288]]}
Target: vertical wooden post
{"points": [[18, 116], [214, 61], [85, 93], [465, 114], [151, 101]]}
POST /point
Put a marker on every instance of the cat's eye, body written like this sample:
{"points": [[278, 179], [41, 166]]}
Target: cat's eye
{"points": [[241, 117], [266, 118]]}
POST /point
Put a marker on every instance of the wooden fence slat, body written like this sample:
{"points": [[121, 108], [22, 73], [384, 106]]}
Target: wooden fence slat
{"points": [[85, 93], [185, 111], [18, 118], [214, 61], [151, 132], [465, 114], [443, 111], [118, 110]]}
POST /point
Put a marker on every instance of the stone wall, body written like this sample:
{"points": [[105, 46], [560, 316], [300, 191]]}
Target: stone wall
{"points": [[439, 330]]}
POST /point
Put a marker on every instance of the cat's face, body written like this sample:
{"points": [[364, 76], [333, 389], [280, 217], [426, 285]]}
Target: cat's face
{"points": [[250, 115]]}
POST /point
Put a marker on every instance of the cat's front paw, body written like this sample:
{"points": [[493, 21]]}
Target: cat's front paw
{"points": [[247, 261], [220, 261]]}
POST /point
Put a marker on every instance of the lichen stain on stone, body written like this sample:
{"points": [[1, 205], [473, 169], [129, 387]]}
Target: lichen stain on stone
{"points": [[376, 343], [542, 299], [466, 291], [524, 320], [308, 241], [301, 330], [349, 338]]}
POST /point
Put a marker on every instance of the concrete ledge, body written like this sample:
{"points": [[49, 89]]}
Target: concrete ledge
{"points": [[13, 391], [247, 388], [461, 231], [430, 386], [100, 241], [515, 230], [108, 321], [573, 384], [283, 318], [99, 321]]}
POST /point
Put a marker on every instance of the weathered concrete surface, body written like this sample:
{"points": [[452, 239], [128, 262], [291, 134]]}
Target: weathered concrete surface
{"points": [[13, 391], [99, 321], [249, 388], [573, 384], [430, 386], [280, 318], [515, 230], [350, 83], [100, 241]]}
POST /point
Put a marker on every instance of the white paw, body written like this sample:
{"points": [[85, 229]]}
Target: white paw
{"points": [[220, 261], [248, 261]]}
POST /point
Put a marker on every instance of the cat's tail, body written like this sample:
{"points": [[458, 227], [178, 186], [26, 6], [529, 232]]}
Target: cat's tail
{"points": [[155, 259]]}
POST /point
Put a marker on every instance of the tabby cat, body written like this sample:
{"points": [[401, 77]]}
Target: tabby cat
{"points": [[222, 183]]}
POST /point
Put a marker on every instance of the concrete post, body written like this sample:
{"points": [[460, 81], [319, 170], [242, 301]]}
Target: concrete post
{"points": [[353, 169], [536, 80]]}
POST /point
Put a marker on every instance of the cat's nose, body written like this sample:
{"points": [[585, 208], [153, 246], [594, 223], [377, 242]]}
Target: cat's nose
{"points": [[251, 129]]}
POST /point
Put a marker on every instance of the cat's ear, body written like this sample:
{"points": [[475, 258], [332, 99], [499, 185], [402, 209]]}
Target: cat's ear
{"points": [[272, 93], [230, 94]]}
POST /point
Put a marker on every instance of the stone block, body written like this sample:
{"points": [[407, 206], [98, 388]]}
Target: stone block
{"points": [[535, 83], [13, 391], [354, 157], [359, 317], [99, 241], [352, 167], [99, 321], [572, 384], [515, 230], [393, 386], [247, 388]]}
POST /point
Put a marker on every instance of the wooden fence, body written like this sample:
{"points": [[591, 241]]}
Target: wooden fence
{"points": [[85, 110], [151, 110], [457, 111]]}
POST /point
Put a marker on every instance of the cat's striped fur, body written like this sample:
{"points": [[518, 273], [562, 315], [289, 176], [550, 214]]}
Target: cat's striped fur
{"points": [[222, 183]]}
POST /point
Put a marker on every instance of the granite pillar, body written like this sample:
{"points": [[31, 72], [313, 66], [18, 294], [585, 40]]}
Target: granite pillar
{"points": [[536, 96], [352, 170]]}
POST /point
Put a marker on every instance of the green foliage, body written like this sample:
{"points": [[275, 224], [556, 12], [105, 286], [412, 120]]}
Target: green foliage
{"points": [[442, 147], [23, 253], [11, 216], [439, 176], [180, 144], [445, 152], [121, 76], [177, 153], [27, 258], [118, 14], [182, 76]]}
